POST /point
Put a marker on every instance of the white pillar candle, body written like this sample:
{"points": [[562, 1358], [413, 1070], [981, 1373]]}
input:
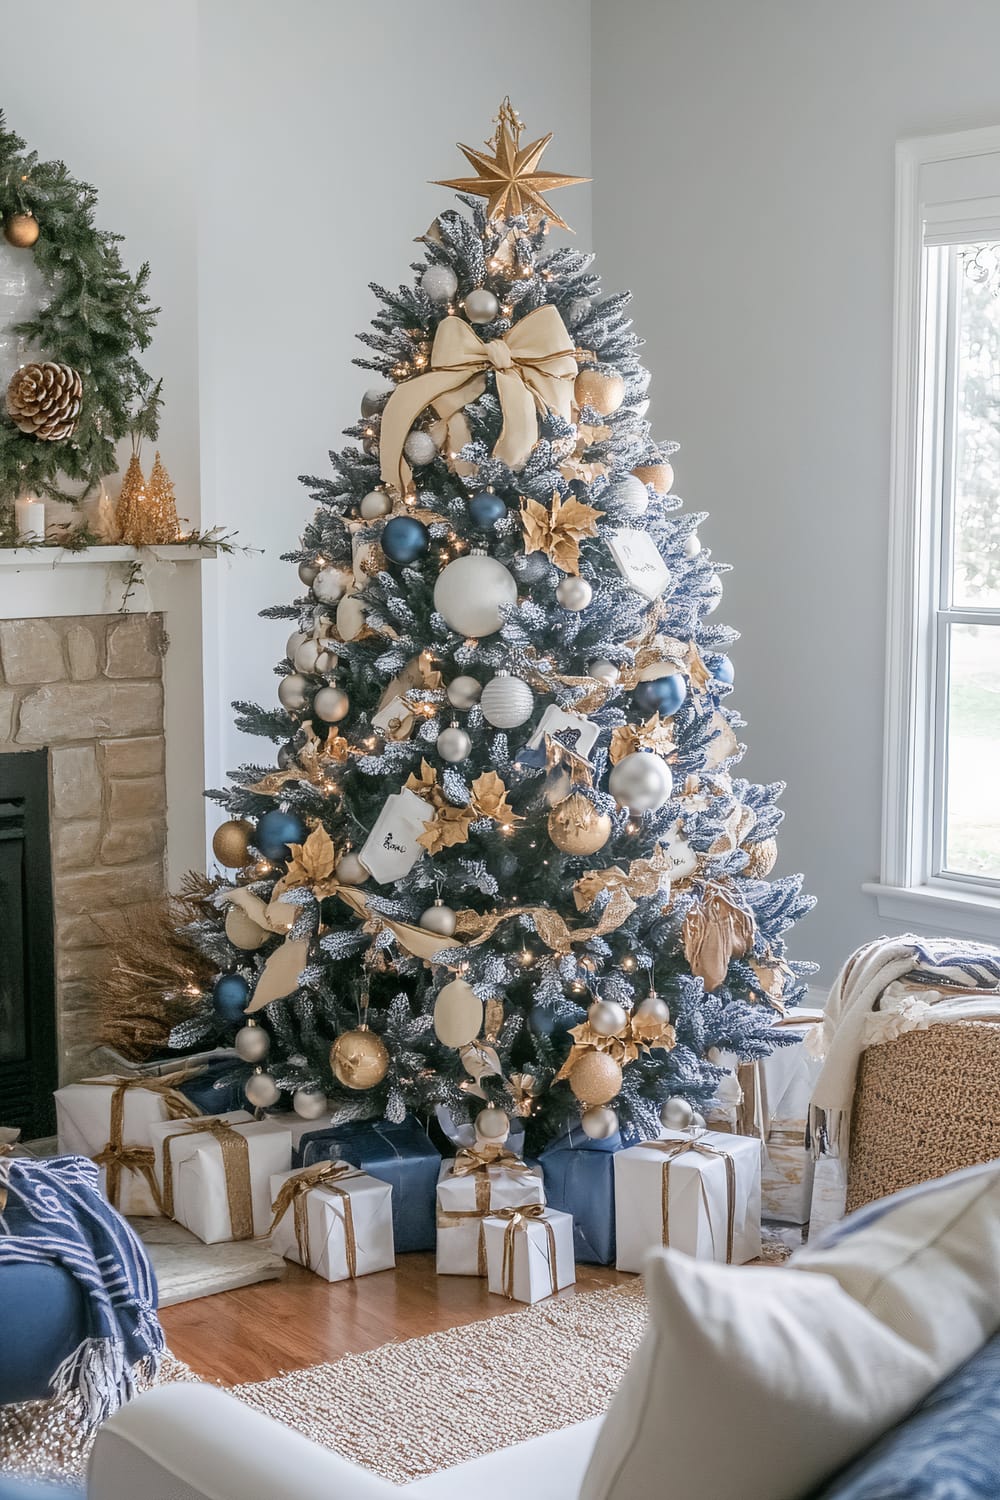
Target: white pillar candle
{"points": [[29, 516]]}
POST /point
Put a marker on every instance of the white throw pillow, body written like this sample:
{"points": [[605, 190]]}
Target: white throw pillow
{"points": [[750, 1384], [925, 1261]]}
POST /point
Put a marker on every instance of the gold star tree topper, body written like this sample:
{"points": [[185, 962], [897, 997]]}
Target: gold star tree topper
{"points": [[510, 179]]}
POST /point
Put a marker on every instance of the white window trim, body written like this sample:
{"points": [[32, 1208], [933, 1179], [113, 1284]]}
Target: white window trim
{"points": [[905, 893]]}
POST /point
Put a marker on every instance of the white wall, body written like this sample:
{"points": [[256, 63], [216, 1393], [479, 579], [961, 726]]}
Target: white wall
{"points": [[743, 164], [321, 125]]}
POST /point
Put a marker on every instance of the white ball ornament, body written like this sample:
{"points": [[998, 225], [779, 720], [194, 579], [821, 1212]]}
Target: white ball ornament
{"points": [[629, 496], [715, 584], [677, 1114], [439, 918], [331, 704], [458, 1014], [604, 671], [350, 617], [653, 1008], [692, 544], [293, 692], [315, 656], [574, 593], [307, 572], [641, 782], [375, 504], [464, 691], [492, 1124], [261, 1089], [453, 745], [481, 306], [439, 283], [295, 640], [331, 584], [606, 1017], [374, 399], [471, 592], [507, 701], [420, 448], [350, 870], [599, 1123], [252, 1043], [309, 1104]]}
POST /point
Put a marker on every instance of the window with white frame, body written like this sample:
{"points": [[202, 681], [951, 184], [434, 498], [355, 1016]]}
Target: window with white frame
{"points": [[941, 835]]}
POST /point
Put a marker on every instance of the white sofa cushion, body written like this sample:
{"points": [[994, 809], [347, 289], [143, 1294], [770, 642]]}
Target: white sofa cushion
{"points": [[549, 1467]]}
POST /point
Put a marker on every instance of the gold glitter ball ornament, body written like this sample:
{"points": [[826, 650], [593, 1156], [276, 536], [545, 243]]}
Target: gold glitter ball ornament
{"points": [[761, 858], [604, 390], [596, 1079], [45, 400], [359, 1059], [21, 231], [576, 827], [231, 843]]}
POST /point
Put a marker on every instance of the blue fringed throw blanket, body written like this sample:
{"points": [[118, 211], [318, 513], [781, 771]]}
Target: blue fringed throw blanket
{"points": [[51, 1212]]}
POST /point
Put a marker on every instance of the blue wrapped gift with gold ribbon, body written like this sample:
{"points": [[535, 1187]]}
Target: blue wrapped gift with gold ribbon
{"points": [[580, 1179], [402, 1155]]}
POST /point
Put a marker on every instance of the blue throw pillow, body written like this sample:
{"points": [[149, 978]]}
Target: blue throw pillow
{"points": [[949, 1449]]}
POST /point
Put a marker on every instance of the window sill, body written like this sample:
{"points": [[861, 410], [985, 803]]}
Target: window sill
{"points": [[959, 913]]}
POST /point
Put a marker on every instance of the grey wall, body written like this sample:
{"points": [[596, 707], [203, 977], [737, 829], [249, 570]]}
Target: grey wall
{"points": [[743, 164]]}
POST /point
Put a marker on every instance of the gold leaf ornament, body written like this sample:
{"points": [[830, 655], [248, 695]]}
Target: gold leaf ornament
{"points": [[558, 530], [716, 930]]}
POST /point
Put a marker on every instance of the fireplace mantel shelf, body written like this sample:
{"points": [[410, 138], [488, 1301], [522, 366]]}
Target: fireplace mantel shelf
{"points": [[41, 582]]}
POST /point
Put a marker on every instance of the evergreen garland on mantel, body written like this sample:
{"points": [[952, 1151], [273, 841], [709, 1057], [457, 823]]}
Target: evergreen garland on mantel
{"points": [[95, 318]]}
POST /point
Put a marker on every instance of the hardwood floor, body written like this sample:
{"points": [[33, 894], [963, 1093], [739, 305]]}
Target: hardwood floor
{"points": [[302, 1320]]}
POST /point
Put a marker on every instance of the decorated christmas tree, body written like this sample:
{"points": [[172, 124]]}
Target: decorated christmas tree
{"points": [[504, 862]]}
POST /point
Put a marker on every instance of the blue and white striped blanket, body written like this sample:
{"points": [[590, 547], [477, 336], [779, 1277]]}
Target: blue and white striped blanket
{"points": [[55, 1215]]}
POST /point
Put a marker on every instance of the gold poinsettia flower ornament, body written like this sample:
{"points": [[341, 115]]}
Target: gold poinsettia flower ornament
{"points": [[558, 529]]}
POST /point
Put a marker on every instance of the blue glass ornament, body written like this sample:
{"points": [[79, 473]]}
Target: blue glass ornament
{"points": [[404, 539], [229, 998], [662, 695], [485, 510], [721, 669], [275, 831]]}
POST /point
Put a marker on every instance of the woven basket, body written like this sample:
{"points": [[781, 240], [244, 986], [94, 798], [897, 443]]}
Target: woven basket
{"points": [[925, 1104]]}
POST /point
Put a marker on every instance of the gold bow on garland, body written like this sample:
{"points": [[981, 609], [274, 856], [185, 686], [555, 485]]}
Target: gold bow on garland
{"points": [[293, 1194], [644, 877], [311, 762], [116, 1157], [534, 366], [235, 1149], [655, 734]]}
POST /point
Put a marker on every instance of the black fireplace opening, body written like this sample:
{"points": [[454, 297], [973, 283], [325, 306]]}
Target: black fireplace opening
{"points": [[28, 1061]]}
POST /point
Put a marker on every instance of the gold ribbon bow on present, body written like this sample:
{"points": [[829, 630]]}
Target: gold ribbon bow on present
{"points": [[671, 1150], [116, 1157], [475, 1161], [518, 1220], [235, 1150], [293, 1193], [535, 368]]}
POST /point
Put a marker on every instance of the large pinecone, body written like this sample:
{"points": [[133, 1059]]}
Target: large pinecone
{"points": [[45, 400]]}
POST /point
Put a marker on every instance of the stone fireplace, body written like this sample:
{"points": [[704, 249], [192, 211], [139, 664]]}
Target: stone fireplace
{"points": [[86, 696]]}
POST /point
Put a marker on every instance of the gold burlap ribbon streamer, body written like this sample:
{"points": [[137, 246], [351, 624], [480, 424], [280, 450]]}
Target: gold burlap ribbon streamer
{"points": [[116, 1157], [518, 1220], [235, 1150], [293, 1194], [535, 368], [671, 1150]]}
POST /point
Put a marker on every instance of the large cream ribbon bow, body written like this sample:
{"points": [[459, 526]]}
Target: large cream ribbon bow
{"points": [[535, 367]]}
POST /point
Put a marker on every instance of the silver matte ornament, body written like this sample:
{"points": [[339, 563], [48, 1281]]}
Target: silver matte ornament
{"points": [[331, 704], [507, 701], [316, 656], [331, 584], [492, 1124], [604, 671], [464, 691], [293, 692], [715, 586], [252, 1043], [599, 1123], [439, 283], [574, 593], [350, 870], [471, 592], [677, 1114], [261, 1089], [439, 918], [295, 640], [453, 745], [309, 1104], [655, 1008], [374, 399], [375, 504], [481, 306], [606, 1017], [307, 572], [641, 782], [420, 448]]}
